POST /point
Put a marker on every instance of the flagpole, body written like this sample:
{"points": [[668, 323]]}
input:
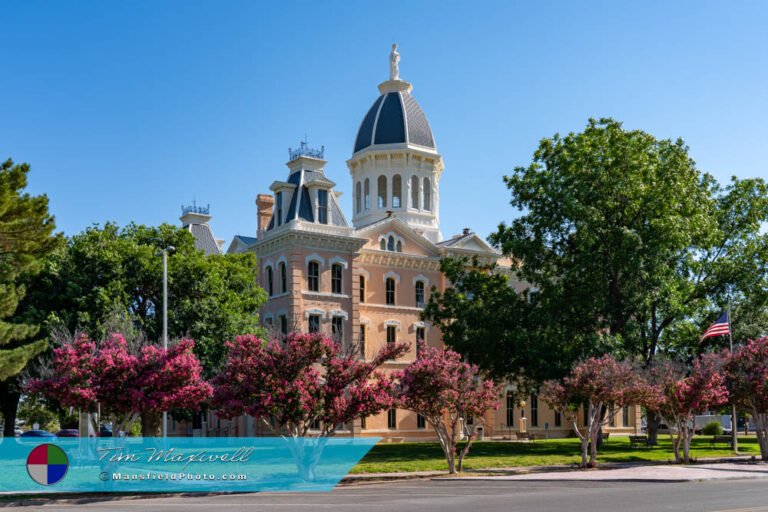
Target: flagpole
{"points": [[734, 422]]}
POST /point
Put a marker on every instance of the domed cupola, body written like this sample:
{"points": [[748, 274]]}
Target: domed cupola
{"points": [[395, 165], [395, 118]]}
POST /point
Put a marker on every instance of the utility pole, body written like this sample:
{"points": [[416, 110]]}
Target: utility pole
{"points": [[734, 419], [165, 252]]}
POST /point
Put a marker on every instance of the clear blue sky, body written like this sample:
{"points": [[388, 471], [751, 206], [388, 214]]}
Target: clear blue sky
{"points": [[126, 110]]}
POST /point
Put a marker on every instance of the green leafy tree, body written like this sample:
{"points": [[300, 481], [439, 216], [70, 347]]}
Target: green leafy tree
{"points": [[107, 274], [623, 236], [26, 236]]}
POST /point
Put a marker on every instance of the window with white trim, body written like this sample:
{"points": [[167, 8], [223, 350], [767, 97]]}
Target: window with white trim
{"points": [[427, 195], [337, 328], [391, 334], [314, 323], [358, 197], [336, 276], [270, 282], [392, 418], [390, 291], [397, 190], [382, 191], [367, 194], [313, 276], [283, 278], [414, 192], [279, 201], [419, 289]]}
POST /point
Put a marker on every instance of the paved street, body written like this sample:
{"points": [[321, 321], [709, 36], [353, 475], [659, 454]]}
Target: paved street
{"points": [[444, 496]]}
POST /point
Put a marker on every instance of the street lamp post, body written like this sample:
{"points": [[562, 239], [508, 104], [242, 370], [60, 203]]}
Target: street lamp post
{"points": [[165, 252]]}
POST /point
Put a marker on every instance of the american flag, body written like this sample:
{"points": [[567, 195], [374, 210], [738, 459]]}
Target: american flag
{"points": [[721, 327]]}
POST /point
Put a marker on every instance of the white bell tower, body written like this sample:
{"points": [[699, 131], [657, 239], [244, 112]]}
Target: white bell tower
{"points": [[395, 166]]}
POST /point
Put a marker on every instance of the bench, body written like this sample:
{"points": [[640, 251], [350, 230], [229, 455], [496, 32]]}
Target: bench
{"points": [[721, 439], [638, 440]]}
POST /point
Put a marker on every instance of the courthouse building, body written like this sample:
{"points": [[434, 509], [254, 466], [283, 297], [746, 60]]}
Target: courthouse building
{"points": [[364, 278]]}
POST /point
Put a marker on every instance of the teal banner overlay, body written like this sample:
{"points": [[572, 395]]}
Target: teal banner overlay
{"points": [[178, 464]]}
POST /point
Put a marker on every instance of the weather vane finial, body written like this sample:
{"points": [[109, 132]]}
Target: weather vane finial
{"points": [[394, 60]]}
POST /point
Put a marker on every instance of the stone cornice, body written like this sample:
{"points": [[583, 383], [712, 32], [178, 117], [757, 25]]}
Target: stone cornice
{"points": [[399, 260], [308, 239]]}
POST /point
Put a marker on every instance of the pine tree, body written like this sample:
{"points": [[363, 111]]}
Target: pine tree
{"points": [[26, 237]]}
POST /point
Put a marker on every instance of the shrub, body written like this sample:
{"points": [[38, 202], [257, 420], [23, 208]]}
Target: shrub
{"points": [[713, 428]]}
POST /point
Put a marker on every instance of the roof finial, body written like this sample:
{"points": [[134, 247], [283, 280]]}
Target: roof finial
{"points": [[394, 60]]}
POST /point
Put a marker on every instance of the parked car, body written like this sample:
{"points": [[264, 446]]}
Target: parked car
{"points": [[68, 432], [38, 434]]}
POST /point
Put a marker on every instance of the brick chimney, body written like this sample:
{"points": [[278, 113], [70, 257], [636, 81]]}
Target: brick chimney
{"points": [[264, 205]]}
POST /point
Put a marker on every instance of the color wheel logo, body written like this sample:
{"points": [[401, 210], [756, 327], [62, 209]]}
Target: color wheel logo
{"points": [[47, 464]]}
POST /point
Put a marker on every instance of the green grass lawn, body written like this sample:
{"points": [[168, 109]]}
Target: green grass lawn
{"points": [[389, 458]]}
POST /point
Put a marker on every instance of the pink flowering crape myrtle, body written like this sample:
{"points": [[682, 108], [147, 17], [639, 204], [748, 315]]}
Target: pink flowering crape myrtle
{"points": [[595, 384], [746, 375], [87, 376], [679, 393], [305, 381], [447, 391]]}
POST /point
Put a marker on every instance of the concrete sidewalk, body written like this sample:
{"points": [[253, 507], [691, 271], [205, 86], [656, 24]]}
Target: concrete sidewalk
{"points": [[644, 473]]}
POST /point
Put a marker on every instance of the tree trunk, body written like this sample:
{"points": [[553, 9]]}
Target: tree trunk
{"points": [[653, 428], [584, 450], [151, 424], [762, 438], [9, 405]]}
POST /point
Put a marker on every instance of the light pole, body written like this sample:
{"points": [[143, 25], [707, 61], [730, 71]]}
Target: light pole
{"points": [[165, 252], [734, 419]]}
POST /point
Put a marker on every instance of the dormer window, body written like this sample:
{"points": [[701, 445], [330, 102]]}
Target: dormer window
{"points": [[322, 206], [279, 202], [391, 243]]}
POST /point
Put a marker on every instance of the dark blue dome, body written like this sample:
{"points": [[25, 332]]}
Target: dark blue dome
{"points": [[394, 118]]}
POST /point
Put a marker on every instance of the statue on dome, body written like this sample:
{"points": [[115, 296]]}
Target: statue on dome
{"points": [[394, 59]]}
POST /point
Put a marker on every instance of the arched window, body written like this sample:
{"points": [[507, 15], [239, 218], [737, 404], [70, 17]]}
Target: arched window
{"points": [[419, 293], [336, 278], [414, 192], [383, 245], [390, 295], [427, 195], [367, 194], [391, 243], [397, 190], [270, 281], [399, 246], [283, 278], [358, 197], [313, 276], [382, 192]]}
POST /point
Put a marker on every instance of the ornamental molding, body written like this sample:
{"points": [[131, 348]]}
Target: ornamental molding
{"points": [[338, 313], [292, 238], [314, 257], [399, 260], [338, 259], [424, 279], [392, 275], [314, 311]]}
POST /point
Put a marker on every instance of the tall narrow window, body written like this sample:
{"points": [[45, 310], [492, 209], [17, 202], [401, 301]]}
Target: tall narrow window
{"points": [[283, 324], [612, 414], [279, 201], [397, 191], [383, 245], [419, 341], [322, 206], [270, 280], [391, 334], [382, 192], [362, 288], [336, 270], [358, 197], [283, 278], [421, 421], [427, 195], [391, 243], [625, 416], [392, 418], [314, 323], [362, 341], [534, 411], [558, 419], [337, 328], [419, 294], [313, 276], [367, 194], [414, 192], [399, 247], [390, 291], [510, 409]]}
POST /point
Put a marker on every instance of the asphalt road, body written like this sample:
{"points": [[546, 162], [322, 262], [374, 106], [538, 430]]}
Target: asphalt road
{"points": [[464, 496]]}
